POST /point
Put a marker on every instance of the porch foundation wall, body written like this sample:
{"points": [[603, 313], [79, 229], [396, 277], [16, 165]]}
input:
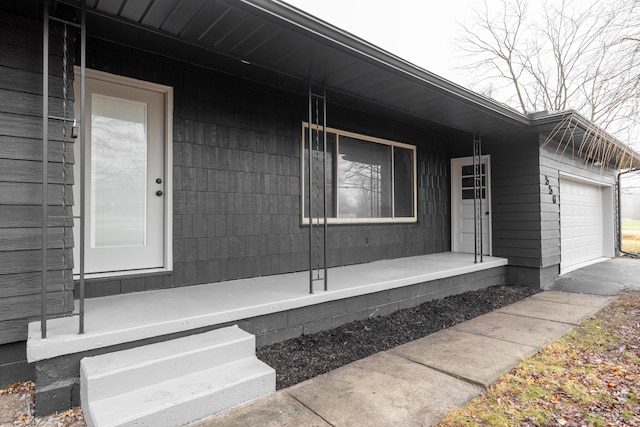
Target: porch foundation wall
{"points": [[310, 320], [58, 379], [536, 278], [13, 364]]}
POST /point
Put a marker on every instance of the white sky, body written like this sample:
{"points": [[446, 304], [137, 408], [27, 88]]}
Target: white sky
{"points": [[420, 31]]}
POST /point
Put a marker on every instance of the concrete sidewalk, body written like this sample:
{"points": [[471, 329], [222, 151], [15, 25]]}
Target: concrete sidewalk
{"points": [[416, 384]]}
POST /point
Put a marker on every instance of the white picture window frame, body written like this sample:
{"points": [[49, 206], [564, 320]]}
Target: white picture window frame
{"points": [[334, 218]]}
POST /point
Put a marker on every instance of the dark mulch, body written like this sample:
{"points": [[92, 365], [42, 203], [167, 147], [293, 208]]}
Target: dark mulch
{"points": [[301, 358]]}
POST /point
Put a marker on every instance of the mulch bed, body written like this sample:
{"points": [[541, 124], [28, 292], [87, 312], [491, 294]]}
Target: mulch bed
{"points": [[307, 356]]}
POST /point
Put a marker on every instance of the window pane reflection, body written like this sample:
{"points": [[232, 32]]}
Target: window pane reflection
{"points": [[364, 179], [403, 182], [318, 176], [118, 172]]}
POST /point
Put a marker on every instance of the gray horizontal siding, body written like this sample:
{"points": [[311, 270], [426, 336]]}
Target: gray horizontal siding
{"points": [[20, 148], [28, 104], [20, 284], [515, 186], [21, 181], [16, 330], [553, 161], [29, 216], [30, 261], [30, 83], [13, 170], [19, 239], [19, 307], [22, 193], [17, 125]]}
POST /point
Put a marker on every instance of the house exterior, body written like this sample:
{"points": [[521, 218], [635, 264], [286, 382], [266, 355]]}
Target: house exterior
{"points": [[196, 172]]}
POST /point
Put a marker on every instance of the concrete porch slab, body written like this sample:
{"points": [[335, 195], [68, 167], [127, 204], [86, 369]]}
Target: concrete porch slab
{"points": [[383, 390], [119, 319], [515, 328], [466, 356]]}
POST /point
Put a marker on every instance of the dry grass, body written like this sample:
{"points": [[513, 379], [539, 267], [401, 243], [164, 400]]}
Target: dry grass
{"points": [[631, 243], [591, 377], [630, 236]]}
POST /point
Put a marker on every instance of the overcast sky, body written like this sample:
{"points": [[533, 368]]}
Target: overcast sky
{"points": [[421, 31]]}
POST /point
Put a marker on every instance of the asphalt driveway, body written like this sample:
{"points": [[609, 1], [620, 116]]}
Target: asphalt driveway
{"points": [[605, 278]]}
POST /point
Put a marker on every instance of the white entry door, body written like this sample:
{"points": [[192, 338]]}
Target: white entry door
{"points": [[464, 227], [124, 178]]}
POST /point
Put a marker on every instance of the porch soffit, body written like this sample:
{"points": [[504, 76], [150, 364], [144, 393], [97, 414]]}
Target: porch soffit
{"points": [[272, 42]]}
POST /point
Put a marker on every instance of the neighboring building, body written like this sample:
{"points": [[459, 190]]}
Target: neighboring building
{"points": [[630, 197], [197, 115]]}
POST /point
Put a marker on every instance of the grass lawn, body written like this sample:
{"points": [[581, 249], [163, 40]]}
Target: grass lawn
{"points": [[590, 377], [630, 241]]}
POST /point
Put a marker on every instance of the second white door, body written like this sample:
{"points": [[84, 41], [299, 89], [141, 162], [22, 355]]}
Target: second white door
{"points": [[464, 227]]}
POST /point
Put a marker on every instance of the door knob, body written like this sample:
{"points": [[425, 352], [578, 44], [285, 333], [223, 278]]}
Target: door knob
{"points": [[158, 180], [158, 193]]}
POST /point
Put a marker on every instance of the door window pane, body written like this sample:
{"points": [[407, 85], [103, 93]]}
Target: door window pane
{"points": [[364, 179], [118, 172], [468, 169], [468, 182]]}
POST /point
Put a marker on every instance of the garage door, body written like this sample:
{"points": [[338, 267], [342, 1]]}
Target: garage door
{"points": [[581, 223]]}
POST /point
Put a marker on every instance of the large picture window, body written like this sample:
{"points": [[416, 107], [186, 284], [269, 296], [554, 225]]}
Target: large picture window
{"points": [[367, 179]]}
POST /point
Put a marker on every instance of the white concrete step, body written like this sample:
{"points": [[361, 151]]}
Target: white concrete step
{"points": [[146, 365], [186, 399], [174, 382]]}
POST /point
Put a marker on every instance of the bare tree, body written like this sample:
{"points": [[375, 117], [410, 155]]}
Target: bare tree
{"points": [[571, 54], [497, 43]]}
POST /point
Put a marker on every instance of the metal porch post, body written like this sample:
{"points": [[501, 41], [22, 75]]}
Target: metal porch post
{"points": [[83, 94], [477, 198], [45, 168], [310, 190], [312, 193]]}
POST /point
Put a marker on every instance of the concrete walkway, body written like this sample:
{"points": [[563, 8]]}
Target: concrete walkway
{"points": [[417, 383]]}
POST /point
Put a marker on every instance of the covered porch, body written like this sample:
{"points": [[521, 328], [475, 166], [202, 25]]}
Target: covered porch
{"points": [[274, 308]]}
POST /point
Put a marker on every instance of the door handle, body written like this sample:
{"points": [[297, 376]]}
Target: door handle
{"points": [[159, 193]]}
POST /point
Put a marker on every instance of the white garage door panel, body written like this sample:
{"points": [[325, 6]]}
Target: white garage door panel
{"points": [[581, 222]]}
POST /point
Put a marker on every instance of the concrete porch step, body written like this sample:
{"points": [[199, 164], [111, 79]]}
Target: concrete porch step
{"points": [[185, 399], [174, 382]]}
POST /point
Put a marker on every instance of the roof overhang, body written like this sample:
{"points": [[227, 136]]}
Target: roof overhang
{"points": [[274, 43]]}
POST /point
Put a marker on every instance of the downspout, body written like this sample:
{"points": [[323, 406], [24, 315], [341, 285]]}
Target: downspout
{"points": [[620, 213]]}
